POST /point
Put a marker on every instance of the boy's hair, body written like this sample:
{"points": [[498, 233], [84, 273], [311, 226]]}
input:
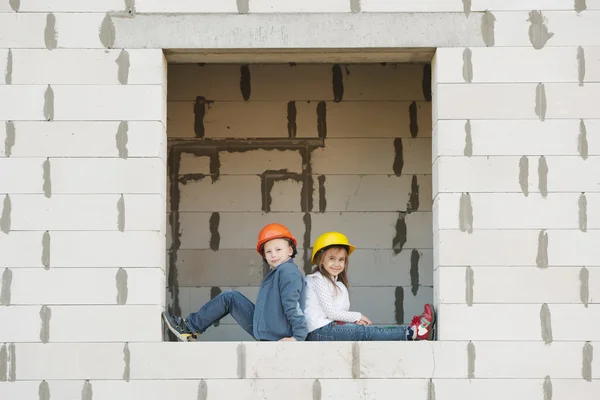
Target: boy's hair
{"points": [[324, 252], [289, 241]]}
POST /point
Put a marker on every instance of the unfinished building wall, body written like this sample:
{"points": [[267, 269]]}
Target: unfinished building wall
{"points": [[514, 100], [317, 147]]}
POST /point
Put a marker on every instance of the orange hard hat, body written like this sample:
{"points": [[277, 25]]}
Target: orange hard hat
{"points": [[274, 231]]}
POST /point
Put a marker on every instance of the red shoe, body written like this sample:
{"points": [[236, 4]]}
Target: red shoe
{"points": [[422, 325]]}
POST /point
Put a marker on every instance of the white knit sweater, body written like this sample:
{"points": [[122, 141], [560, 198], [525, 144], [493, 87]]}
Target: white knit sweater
{"points": [[325, 304]]}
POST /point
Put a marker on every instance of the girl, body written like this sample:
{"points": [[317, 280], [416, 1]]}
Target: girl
{"points": [[327, 302], [278, 311]]}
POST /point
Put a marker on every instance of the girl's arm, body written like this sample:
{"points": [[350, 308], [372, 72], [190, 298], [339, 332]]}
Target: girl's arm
{"points": [[323, 290], [290, 287]]}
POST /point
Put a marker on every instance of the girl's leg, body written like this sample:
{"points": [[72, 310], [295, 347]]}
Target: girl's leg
{"points": [[348, 332]]}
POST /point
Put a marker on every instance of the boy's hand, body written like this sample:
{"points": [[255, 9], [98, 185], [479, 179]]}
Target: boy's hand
{"points": [[288, 339]]}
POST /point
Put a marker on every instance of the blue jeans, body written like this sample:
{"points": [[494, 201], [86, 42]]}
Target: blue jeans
{"points": [[348, 332], [228, 302]]}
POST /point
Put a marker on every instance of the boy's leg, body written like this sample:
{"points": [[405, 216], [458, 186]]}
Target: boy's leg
{"points": [[229, 302]]}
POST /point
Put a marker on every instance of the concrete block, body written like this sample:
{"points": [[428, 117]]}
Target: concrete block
{"points": [[384, 82], [373, 156], [226, 267], [22, 31], [532, 324], [394, 193], [384, 305], [109, 102], [513, 5], [30, 175], [514, 285], [591, 55], [192, 164], [144, 213], [241, 120], [378, 230], [25, 102], [87, 286], [485, 248], [37, 361], [571, 100], [71, 6], [492, 389], [236, 230], [26, 249], [328, 360], [378, 119], [80, 30], [107, 249], [229, 193], [563, 389], [389, 6], [311, 6], [87, 66], [508, 64], [311, 31], [179, 360], [85, 212], [296, 82], [488, 248], [511, 211], [375, 267], [355, 389], [514, 174], [390, 361], [527, 360], [28, 328], [185, 6], [257, 162], [105, 175], [215, 82], [286, 196], [129, 323], [146, 389], [576, 29], [18, 390], [83, 139], [487, 101], [567, 316], [557, 137]]}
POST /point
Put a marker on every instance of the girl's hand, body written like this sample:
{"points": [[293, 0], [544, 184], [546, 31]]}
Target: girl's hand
{"points": [[364, 321], [288, 339]]}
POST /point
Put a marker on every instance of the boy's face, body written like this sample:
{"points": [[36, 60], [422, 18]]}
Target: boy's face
{"points": [[277, 251]]}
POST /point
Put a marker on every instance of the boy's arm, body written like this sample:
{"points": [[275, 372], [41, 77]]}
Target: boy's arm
{"points": [[290, 288]]}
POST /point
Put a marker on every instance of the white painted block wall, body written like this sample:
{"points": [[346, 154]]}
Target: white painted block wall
{"points": [[516, 295]]}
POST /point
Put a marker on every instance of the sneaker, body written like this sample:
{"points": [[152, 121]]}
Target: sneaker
{"points": [[179, 327], [422, 325]]}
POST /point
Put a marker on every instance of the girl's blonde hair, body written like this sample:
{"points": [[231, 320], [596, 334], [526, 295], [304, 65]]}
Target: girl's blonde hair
{"points": [[321, 256]]}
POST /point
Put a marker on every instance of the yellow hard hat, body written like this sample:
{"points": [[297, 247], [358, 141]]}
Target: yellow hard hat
{"points": [[329, 239]]}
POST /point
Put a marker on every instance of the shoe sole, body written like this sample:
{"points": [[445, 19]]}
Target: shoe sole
{"points": [[182, 338], [432, 328]]}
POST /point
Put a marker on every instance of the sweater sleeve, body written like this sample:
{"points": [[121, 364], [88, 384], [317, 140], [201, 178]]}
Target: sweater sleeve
{"points": [[290, 286], [323, 289]]}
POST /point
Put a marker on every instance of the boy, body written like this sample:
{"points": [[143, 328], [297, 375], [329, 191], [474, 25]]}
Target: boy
{"points": [[277, 315]]}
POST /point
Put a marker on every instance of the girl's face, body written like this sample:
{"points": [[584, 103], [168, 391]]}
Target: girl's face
{"points": [[277, 251], [334, 261]]}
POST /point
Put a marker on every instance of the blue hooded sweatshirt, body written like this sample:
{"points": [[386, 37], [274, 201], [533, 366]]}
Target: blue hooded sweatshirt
{"points": [[279, 304]]}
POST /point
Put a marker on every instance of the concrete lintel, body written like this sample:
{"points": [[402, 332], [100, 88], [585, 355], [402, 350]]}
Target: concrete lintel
{"points": [[297, 31]]}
